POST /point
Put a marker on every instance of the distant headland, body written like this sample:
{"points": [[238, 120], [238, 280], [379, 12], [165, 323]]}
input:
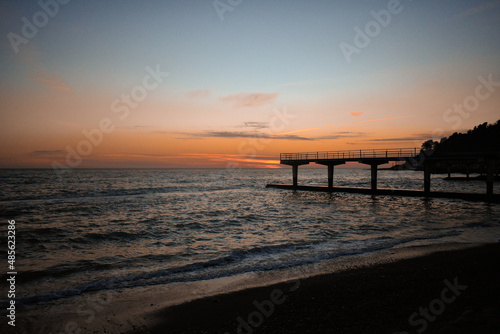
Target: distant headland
{"points": [[483, 139]]}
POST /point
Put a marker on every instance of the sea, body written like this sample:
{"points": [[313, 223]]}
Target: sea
{"points": [[98, 230]]}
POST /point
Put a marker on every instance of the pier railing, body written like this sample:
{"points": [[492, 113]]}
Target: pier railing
{"points": [[352, 154]]}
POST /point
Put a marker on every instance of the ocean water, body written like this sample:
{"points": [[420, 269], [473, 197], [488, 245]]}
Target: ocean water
{"points": [[123, 229]]}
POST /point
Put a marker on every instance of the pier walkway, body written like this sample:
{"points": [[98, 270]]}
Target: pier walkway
{"points": [[376, 157]]}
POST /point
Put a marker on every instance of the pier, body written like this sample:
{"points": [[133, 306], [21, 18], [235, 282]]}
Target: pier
{"points": [[377, 157]]}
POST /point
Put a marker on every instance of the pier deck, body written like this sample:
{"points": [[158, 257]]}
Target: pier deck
{"points": [[377, 157]]}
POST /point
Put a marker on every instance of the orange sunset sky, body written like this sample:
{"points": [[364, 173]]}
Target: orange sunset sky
{"points": [[200, 84]]}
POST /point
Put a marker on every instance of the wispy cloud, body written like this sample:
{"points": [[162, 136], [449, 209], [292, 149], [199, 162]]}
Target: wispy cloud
{"points": [[476, 10], [307, 129], [250, 100], [434, 136], [248, 134], [333, 126], [49, 80], [283, 136], [415, 137], [339, 135], [334, 135], [256, 125], [356, 114], [397, 139]]}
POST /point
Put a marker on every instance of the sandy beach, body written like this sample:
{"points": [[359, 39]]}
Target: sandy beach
{"points": [[402, 290], [445, 292]]}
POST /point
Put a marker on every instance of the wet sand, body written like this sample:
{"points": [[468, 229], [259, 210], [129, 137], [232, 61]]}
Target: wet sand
{"points": [[445, 292]]}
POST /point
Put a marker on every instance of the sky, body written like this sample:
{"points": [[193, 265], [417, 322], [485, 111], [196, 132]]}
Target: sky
{"points": [[173, 84]]}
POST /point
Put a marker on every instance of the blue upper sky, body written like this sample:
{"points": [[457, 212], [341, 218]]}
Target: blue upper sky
{"points": [[98, 50], [258, 46]]}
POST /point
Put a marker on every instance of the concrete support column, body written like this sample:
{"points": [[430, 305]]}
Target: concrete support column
{"points": [[374, 177], [295, 169], [427, 177], [490, 167], [330, 175], [331, 168], [374, 163]]}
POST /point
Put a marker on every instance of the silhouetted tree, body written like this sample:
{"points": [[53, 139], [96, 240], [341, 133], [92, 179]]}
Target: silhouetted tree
{"points": [[429, 146], [484, 138]]}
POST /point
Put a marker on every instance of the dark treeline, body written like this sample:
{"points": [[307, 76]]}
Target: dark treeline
{"points": [[483, 139]]}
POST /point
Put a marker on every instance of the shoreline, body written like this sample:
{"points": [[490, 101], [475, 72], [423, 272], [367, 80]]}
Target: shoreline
{"points": [[379, 298], [211, 305]]}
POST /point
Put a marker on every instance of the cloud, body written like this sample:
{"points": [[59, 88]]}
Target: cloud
{"points": [[331, 126], [416, 137], [308, 129], [476, 10], [256, 125], [339, 135], [244, 134], [253, 134], [256, 134], [356, 113], [50, 153], [200, 93], [335, 135], [49, 80], [30, 58], [250, 100], [397, 139]]}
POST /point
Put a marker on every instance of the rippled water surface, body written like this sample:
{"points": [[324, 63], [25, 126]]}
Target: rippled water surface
{"points": [[119, 229]]}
